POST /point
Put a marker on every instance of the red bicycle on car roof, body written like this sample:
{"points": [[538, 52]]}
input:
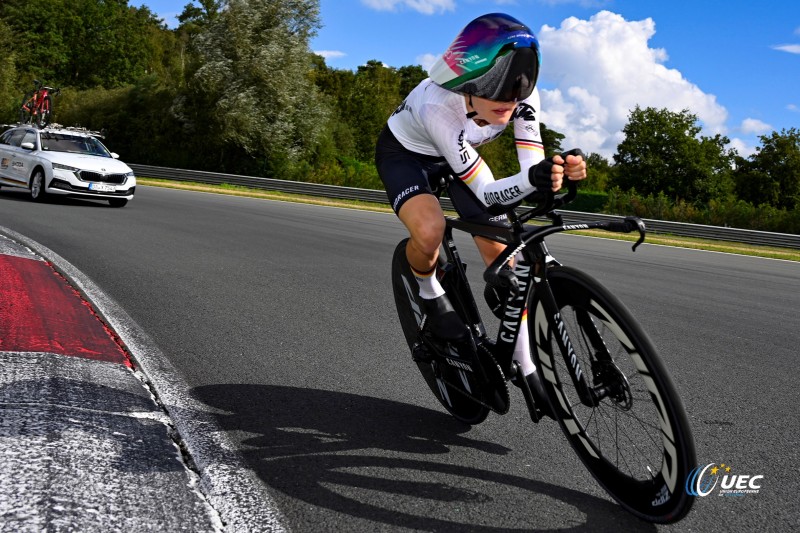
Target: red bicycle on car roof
{"points": [[37, 106]]}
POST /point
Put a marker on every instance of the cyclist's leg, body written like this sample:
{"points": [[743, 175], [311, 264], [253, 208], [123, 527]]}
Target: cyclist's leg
{"points": [[424, 220], [405, 176]]}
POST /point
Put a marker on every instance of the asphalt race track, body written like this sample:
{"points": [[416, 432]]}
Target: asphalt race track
{"points": [[280, 319]]}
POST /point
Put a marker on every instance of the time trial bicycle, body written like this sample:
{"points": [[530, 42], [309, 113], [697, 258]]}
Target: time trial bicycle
{"points": [[37, 105], [598, 373]]}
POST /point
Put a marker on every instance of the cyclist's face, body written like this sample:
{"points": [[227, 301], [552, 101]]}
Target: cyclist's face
{"points": [[492, 111]]}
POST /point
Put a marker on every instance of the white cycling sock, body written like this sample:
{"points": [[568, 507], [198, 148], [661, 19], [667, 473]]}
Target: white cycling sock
{"points": [[429, 286]]}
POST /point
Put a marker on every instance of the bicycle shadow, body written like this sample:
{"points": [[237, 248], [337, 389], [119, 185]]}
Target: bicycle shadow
{"points": [[349, 454]]}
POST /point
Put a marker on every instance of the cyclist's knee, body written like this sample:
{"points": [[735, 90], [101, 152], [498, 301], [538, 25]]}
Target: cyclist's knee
{"points": [[427, 236], [424, 220]]}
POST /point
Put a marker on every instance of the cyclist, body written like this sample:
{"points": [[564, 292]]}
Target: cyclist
{"points": [[483, 81]]}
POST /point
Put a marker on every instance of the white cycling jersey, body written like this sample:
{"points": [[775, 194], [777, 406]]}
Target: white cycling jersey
{"points": [[433, 121]]}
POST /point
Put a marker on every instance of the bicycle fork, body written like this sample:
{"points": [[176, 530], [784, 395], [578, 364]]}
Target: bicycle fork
{"points": [[548, 313]]}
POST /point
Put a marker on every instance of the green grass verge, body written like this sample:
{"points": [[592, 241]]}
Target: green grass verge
{"points": [[788, 254]]}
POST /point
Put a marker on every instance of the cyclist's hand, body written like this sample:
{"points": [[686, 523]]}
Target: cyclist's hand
{"points": [[547, 174], [574, 164]]}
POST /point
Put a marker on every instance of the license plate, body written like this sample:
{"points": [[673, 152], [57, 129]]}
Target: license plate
{"points": [[101, 187]]}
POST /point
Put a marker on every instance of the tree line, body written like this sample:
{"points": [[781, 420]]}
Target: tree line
{"points": [[235, 88]]}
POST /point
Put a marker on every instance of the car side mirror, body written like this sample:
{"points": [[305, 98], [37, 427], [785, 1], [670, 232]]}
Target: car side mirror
{"points": [[115, 155], [27, 146]]}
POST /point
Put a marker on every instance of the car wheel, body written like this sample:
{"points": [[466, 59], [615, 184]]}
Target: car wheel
{"points": [[117, 202], [38, 192]]}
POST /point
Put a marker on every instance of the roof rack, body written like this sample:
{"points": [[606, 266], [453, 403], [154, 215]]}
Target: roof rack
{"points": [[76, 129], [56, 126]]}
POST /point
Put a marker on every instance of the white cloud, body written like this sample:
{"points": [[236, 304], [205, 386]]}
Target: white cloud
{"points": [[330, 54], [602, 68], [742, 147], [427, 61], [752, 126], [427, 7], [794, 108], [791, 48]]}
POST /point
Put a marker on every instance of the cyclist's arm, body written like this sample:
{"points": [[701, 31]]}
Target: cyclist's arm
{"points": [[527, 135], [446, 129]]}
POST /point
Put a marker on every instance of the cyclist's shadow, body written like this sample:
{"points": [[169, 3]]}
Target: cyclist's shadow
{"points": [[349, 453]]}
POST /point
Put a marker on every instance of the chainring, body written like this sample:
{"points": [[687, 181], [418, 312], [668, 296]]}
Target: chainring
{"points": [[494, 393]]}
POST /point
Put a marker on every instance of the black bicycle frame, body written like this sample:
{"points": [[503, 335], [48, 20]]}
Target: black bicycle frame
{"points": [[528, 273]]}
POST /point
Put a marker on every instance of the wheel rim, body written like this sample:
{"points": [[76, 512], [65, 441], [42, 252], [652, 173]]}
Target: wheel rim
{"points": [[37, 185]]}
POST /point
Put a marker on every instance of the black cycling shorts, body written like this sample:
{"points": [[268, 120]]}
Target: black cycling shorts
{"points": [[406, 174]]}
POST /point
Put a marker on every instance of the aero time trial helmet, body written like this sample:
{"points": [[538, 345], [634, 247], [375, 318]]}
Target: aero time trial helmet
{"points": [[495, 56]]}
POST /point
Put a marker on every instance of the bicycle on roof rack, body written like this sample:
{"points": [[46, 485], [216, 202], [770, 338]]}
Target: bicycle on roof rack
{"points": [[37, 105], [598, 373]]}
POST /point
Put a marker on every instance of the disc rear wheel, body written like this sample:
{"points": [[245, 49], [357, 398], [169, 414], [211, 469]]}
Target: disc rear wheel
{"points": [[448, 383]]}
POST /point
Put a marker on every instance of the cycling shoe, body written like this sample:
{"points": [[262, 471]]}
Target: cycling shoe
{"points": [[442, 321]]}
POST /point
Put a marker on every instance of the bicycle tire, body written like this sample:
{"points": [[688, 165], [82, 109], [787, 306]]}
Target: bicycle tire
{"points": [[406, 295], [25, 109], [636, 442]]}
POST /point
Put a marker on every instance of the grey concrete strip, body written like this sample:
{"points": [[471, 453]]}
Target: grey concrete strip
{"points": [[84, 447], [234, 491], [9, 247]]}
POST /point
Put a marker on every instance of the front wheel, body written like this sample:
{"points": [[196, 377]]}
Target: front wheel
{"points": [[633, 436], [443, 380], [38, 186]]}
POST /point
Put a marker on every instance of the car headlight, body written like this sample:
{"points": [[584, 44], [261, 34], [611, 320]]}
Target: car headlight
{"points": [[59, 166], [129, 174]]}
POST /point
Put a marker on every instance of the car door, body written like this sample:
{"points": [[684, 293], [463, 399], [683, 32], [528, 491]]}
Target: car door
{"points": [[5, 154], [12, 167], [22, 162]]}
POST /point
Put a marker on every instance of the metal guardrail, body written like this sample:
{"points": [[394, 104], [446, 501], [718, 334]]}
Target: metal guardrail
{"points": [[764, 238]]}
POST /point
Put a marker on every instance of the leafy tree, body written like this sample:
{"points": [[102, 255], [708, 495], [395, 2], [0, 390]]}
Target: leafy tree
{"points": [[375, 94], [410, 77], [9, 97], [663, 152], [772, 175], [599, 172], [194, 17], [82, 43], [252, 92]]}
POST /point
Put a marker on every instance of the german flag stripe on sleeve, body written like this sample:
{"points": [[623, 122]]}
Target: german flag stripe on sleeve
{"points": [[472, 171], [525, 144]]}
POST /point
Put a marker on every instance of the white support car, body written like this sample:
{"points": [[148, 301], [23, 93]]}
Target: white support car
{"points": [[63, 161]]}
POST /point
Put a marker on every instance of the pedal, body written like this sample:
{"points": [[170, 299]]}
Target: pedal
{"points": [[420, 354]]}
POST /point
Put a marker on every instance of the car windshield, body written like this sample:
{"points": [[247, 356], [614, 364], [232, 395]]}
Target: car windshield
{"points": [[74, 144]]}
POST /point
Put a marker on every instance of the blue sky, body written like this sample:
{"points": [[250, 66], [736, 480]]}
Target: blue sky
{"points": [[735, 64]]}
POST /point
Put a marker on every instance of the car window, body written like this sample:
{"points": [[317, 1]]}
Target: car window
{"points": [[15, 137], [76, 144], [4, 138]]}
